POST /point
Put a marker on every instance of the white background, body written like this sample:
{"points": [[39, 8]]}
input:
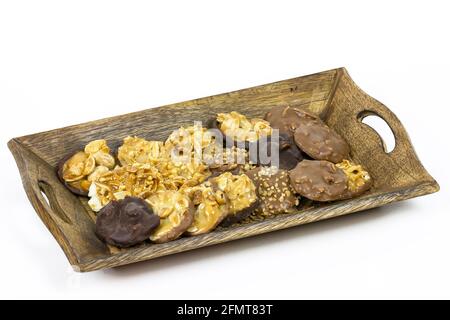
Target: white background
{"points": [[64, 63]]}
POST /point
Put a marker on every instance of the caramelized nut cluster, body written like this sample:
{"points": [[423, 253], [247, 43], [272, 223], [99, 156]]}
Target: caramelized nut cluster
{"points": [[211, 205], [176, 212], [358, 178], [239, 128], [239, 189], [186, 140], [84, 167], [138, 150], [142, 180]]}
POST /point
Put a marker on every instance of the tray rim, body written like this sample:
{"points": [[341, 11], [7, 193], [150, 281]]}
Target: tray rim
{"points": [[186, 244]]}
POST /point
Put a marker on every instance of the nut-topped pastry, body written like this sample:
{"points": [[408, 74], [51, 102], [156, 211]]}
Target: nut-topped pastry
{"points": [[78, 170], [287, 119], [319, 180], [211, 207], [143, 180], [274, 190], [326, 181], [238, 130], [320, 142], [310, 133], [138, 150], [176, 212], [241, 194]]}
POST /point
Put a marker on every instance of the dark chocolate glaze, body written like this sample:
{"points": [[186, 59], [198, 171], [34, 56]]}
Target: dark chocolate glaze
{"points": [[126, 222]]}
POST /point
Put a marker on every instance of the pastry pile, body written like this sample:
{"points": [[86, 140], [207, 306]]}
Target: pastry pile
{"points": [[204, 177]]}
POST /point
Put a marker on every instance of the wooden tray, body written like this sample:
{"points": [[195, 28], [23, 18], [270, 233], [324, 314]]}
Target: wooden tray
{"points": [[398, 175]]}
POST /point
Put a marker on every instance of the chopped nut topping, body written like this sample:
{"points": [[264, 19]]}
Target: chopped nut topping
{"points": [[138, 150], [274, 189], [357, 176], [239, 189], [238, 127], [176, 212], [74, 169], [184, 141], [211, 209], [79, 168]]}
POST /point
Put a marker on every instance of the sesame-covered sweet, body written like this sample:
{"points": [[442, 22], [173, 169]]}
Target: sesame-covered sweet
{"points": [[274, 190]]}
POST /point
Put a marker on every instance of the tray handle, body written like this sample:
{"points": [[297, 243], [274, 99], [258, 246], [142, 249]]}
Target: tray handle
{"points": [[348, 106], [60, 210]]}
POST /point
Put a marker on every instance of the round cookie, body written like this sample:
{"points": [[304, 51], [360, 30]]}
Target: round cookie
{"points": [[287, 119], [176, 213], [241, 194], [319, 180], [274, 190], [126, 222], [320, 142]]}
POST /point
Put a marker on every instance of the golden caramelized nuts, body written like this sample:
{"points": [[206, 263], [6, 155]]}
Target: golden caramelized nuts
{"points": [[143, 180], [138, 150], [138, 180], [239, 128], [211, 208], [76, 170], [99, 150], [239, 189], [185, 140], [176, 212], [359, 179], [96, 146], [77, 166]]}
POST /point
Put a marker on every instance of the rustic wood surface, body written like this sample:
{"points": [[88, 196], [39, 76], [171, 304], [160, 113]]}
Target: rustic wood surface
{"points": [[398, 175]]}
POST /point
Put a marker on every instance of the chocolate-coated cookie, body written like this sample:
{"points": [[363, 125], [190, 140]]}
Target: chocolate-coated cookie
{"points": [[319, 180], [320, 142], [126, 222], [287, 119], [274, 190]]}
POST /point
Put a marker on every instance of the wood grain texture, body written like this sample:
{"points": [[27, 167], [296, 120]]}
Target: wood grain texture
{"points": [[332, 94]]}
